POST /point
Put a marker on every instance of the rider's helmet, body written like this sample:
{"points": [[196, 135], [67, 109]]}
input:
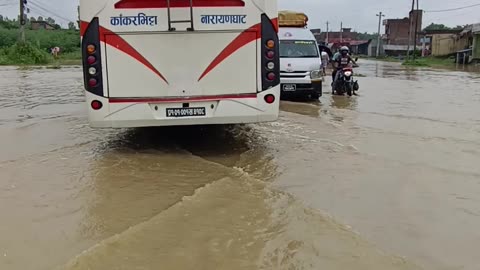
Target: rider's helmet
{"points": [[344, 50]]}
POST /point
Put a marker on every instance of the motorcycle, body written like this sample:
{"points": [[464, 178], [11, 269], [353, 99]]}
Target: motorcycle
{"points": [[345, 83]]}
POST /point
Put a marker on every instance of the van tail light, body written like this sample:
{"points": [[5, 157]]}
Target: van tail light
{"points": [[270, 54], [91, 58]]}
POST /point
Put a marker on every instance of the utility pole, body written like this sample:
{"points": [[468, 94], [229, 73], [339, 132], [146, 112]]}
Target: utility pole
{"points": [[326, 40], [416, 31], [22, 20], [410, 29], [341, 32], [380, 15]]}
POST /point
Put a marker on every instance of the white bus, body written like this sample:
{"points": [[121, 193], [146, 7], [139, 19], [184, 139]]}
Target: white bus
{"points": [[180, 62]]}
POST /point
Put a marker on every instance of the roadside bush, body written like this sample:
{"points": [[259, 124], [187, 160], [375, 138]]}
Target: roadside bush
{"points": [[67, 40], [23, 54], [8, 37]]}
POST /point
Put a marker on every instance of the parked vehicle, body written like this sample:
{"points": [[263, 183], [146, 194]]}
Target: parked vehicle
{"points": [[300, 61]]}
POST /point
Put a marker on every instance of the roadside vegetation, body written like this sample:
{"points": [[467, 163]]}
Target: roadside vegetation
{"points": [[429, 61], [36, 49]]}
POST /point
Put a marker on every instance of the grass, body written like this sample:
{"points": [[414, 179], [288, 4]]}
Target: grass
{"points": [[68, 59], [381, 58], [430, 62], [419, 61]]}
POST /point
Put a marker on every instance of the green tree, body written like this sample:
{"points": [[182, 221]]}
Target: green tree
{"points": [[366, 36], [434, 26], [71, 26], [40, 18], [51, 21]]}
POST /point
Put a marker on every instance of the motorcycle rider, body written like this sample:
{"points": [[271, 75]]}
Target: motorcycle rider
{"points": [[342, 61]]}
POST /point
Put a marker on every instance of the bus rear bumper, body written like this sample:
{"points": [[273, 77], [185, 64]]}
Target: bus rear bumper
{"points": [[125, 113]]}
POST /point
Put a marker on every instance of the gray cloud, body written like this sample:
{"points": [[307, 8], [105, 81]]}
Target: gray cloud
{"points": [[359, 15]]}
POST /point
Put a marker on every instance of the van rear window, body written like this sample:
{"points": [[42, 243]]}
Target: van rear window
{"points": [[132, 4], [298, 49]]}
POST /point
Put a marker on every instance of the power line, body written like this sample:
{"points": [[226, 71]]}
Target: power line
{"points": [[452, 9], [49, 12], [47, 6], [38, 12]]}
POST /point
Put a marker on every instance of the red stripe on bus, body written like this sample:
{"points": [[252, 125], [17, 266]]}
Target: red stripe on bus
{"points": [[181, 99], [120, 44], [241, 40], [275, 24], [83, 28], [134, 4]]}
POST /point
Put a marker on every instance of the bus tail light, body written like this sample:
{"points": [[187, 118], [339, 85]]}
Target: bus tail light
{"points": [[270, 53], [91, 55], [270, 44], [271, 76], [91, 49], [91, 60], [96, 105], [270, 99], [92, 82]]}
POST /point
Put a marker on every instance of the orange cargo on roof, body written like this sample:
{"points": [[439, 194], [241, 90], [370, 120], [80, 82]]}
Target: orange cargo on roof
{"points": [[288, 18]]}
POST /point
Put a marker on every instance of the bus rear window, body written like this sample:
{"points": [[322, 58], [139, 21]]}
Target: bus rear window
{"points": [[127, 4]]}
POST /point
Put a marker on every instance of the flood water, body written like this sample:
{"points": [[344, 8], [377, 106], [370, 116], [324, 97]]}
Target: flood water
{"points": [[389, 179]]}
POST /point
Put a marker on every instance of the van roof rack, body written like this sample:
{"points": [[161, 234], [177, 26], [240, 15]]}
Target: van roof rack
{"points": [[288, 18]]}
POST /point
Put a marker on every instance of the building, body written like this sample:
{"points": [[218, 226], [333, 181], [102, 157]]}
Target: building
{"points": [[444, 42], [37, 25], [360, 47], [397, 32], [372, 48], [476, 42], [345, 35], [338, 39]]}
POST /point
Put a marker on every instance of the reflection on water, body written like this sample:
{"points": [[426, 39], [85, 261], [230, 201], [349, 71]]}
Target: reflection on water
{"points": [[344, 102], [311, 109], [155, 203], [143, 172]]}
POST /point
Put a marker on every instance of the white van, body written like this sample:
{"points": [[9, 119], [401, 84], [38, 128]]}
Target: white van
{"points": [[300, 59]]}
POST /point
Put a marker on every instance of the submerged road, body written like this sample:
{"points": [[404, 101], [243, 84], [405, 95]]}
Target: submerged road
{"points": [[385, 180]]}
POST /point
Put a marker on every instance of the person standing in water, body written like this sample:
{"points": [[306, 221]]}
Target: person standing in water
{"points": [[325, 61]]}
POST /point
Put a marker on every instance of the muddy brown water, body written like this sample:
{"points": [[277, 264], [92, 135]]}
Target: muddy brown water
{"points": [[386, 180]]}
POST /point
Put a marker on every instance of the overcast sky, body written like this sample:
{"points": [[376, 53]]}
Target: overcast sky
{"points": [[359, 15]]}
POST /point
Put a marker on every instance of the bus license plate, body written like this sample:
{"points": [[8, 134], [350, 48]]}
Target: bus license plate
{"points": [[186, 112], [289, 87]]}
